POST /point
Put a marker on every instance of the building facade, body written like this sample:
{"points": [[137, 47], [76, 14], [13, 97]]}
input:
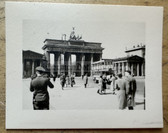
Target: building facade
{"points": [[102, 66], [138, 50], [133, 61], [31, 60], [86, 53]]}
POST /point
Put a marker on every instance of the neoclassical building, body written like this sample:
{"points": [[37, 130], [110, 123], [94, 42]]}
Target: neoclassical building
{"points": [[133, 61], [86, 53], [102, 66], [30, 60]]}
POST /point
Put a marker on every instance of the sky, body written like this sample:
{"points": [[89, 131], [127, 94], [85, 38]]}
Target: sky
{"points": [[114, 36]]}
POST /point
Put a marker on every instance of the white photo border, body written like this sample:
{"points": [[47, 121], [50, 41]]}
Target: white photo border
{"points": [[17, 118]]}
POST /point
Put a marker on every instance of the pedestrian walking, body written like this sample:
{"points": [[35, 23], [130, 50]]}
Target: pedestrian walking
{"points": [[121, 87], [39, 86], [100, 85], [104, 83], [67, 81], [62, 80], [85, 79], [109, 80], [54, 77], [113, 83], [72, 80], [130, 90]]}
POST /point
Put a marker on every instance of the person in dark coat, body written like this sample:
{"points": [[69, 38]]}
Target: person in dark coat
{"points": [[130, 89], [54, 77], [39, 86], [104, 83], [85, 79], [72, 80]]}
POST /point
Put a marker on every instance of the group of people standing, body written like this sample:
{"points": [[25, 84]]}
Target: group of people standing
{"points": [[66, 80], [124, 86], [106, 83]]}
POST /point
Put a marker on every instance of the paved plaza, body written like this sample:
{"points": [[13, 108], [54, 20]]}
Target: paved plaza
{"points": [[81, 98]]}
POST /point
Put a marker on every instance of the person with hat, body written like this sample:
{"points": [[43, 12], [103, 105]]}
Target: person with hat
{"points": [[39, 86], [131, 88]]}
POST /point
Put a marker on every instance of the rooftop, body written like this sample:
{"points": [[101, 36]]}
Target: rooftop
{"points": [[28, 54], [135, 48]]}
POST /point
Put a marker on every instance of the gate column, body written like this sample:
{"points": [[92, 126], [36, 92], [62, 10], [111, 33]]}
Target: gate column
{"points": [[47, 54], [137, 69], [82, 64], [91, 68], [33, 67], [69, 64], [132, 68], [57, 63]]}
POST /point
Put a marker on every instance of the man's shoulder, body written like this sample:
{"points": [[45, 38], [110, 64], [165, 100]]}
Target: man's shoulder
{"points": [[33, 76], [42, 78]]}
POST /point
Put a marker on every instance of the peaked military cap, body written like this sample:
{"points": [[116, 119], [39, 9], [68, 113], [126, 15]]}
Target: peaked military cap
{"points": [[41, 69]]}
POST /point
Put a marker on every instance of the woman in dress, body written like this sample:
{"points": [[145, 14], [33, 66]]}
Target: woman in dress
{"points": [[121, 87]]}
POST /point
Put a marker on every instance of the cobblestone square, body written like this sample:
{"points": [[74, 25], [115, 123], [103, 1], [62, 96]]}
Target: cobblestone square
{"points": [[80, 98]]}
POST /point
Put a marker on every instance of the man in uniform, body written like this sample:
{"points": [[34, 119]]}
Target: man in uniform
{"points": [[39, 86]]}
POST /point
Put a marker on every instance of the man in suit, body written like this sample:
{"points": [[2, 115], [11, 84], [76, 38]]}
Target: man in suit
{"points": [[130, 89], [39, 86]]}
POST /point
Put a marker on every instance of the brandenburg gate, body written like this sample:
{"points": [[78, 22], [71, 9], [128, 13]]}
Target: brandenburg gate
{"points": [[86, 53]]}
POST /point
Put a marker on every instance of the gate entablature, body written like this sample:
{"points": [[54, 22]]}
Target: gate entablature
{"points": [[83, 51], [75, 46]]}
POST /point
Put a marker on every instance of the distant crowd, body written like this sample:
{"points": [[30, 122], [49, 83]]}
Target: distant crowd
{"points": [[124, 87]]}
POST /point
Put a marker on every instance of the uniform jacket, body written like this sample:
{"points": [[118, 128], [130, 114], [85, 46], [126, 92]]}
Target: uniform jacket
{"points": [[39, 86]]}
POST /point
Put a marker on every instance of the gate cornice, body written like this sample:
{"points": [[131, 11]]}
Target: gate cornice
{"points": [[73, 46]]}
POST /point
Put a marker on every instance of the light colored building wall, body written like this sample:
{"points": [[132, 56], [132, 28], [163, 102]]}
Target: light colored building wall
{"points": [[102, 66]]}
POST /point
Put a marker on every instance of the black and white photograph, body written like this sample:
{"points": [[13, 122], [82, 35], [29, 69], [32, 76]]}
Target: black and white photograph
{"points": [[81, 65], [87, 66]]}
